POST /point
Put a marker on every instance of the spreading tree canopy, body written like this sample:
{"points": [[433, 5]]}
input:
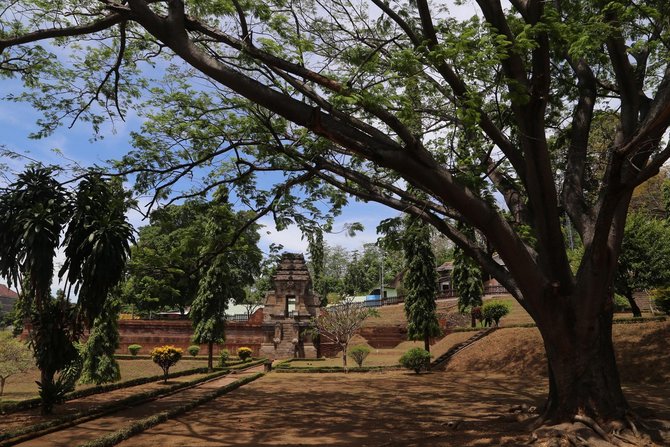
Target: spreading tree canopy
{"points": [[165, 267], [319, 91]]}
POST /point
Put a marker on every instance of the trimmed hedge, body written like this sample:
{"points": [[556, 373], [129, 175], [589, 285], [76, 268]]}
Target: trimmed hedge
{"points": [[334, 369], [26, 433], [151, 421], [629, 320]]}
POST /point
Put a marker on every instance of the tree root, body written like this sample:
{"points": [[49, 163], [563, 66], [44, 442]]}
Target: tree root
{"points": [[593, 425], [629, 419]]}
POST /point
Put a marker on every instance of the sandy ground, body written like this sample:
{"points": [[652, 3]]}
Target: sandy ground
{"points": [[467, 405], [390, 409], [88, 431], [402, 409]]}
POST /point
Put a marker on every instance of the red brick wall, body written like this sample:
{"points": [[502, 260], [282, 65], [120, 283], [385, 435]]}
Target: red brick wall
{"points": [[152, 333]]}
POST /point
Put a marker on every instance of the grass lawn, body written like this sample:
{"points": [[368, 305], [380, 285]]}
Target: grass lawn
{"points": [[389, 357], [23, 386]]}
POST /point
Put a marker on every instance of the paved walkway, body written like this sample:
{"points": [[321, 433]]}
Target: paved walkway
{"points": [[88, 431]]}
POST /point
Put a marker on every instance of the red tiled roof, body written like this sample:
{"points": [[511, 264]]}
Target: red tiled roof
{"points": [[7, 292]]}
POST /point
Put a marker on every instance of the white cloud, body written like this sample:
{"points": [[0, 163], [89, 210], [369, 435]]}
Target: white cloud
{"points": [[292, 240]]}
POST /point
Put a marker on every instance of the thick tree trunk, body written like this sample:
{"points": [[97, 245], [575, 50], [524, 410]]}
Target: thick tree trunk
{"points": [[210, 356], [2, 386], [47, 381], [344, 356], [583, 375]]}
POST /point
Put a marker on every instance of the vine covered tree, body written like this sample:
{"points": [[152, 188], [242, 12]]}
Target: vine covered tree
{"points": [[231, 263], [98, 362], [420, 282], [467, 281], [318, 91]]}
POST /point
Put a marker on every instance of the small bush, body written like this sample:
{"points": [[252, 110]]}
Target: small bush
{"points": [[493, 311], [359, 353], [416, 359], [244, 353], [166, 357], [224, 356], [193, 350], [661, 299], [621, 303], [134, 349]]}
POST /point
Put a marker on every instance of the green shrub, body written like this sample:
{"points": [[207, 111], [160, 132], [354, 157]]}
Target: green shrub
{"points": [[493, 311], [416, 359], [244, 353], [224, 356], [166, 357], [661, 299], [359, 353], [134, 349], [621, 303], [193, 350]]}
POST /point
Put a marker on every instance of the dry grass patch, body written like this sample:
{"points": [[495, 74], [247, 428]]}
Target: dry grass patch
{"points": [[23, 386]]}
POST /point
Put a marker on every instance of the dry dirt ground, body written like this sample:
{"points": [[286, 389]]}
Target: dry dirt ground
{"points": [[466, 405]]}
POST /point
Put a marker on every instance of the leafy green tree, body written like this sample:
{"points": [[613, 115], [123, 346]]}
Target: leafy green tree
{"points": [[420, 282], [233, 261], [164, 270], [323, 100], [644, 262], [15, 358], [35, 210]]}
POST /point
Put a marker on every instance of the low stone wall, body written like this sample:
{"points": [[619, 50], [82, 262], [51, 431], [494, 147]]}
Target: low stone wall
{"points": [[152, 333]]}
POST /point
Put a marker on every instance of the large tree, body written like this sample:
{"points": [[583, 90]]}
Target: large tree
{"points": [[318, 91], [34, 212]]}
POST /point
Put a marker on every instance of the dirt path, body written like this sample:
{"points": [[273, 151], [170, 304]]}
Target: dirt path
{"points": [[87, 404], [91, 430], [373, 409]]}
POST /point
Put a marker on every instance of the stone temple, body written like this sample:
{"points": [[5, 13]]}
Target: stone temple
{"points": [[288, 311]]}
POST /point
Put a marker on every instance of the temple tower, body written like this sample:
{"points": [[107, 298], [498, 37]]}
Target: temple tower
{"points": [[288, 311]]}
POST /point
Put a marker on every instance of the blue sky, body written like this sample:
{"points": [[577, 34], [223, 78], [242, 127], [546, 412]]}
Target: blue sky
{"points": [[67, 145]]}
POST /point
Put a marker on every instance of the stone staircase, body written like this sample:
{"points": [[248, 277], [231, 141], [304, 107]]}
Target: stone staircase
{"points": [[285, 348], [441, 361]]}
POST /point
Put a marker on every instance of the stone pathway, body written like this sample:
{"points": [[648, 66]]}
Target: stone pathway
{"points": [[88, 431]]}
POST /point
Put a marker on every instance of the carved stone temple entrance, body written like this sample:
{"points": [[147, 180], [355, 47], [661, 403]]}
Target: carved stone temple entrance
{"points": [[288, 310]]}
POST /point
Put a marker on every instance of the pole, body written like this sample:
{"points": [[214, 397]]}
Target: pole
{"points": [[381, 274]]}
